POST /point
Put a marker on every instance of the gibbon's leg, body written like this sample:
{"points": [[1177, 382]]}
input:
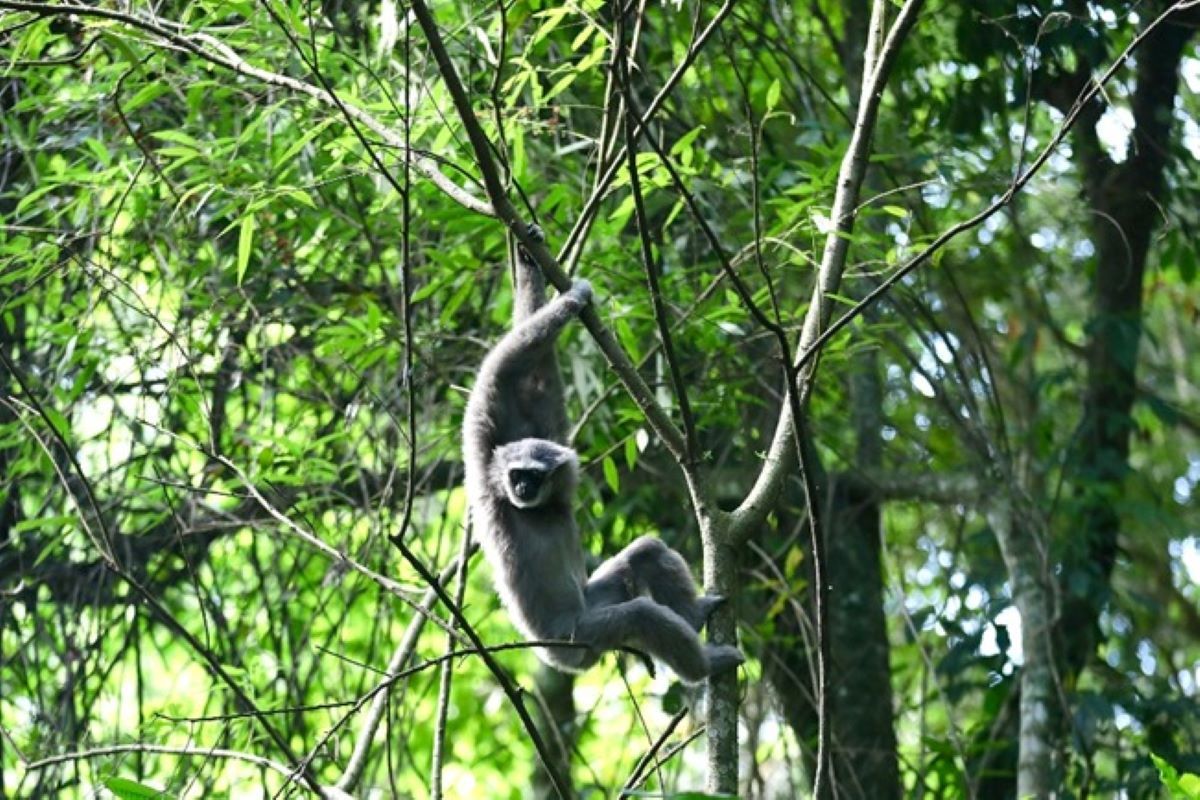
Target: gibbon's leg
{"points": [[648, 566], [645, 625]]}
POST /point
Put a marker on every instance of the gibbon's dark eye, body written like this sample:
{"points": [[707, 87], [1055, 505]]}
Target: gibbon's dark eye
{"points": [[526, 482]]}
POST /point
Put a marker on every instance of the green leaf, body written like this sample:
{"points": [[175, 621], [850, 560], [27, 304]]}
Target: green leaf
{"points": [[245, 242], [132, 790], [1180, 787], [582, 37], [147, 94], [60, 423], [631, 452], [592, 59], [28, 200], [623, 212], [560, 85], [611, 477], [299, 195], [794, 558], [552, 16], [773, 93], [1186, 263], [179, 137], [286, 157], [1168, 414], [684, 149], [99, 151], [49, 523]]}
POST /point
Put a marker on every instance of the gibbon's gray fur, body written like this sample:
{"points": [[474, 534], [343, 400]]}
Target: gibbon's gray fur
{"points": [[521, 479]]}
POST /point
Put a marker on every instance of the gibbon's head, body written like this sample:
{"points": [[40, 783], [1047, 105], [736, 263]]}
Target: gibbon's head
{"points": [[532, 472]]}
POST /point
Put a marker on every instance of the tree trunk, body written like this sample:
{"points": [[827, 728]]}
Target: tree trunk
{"points": [[1038, 773], [864, 741], [1126, 200]]}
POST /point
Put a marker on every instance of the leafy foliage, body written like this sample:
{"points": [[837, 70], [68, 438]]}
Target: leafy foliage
{"points": [[212, 283]]}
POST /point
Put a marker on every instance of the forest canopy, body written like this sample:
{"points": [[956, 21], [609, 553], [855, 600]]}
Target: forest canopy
{"points": [[892, 339]]}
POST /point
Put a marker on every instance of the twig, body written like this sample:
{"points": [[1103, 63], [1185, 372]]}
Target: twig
{"points": [[197, 752], [620, 55], [408, 644], [573, 247], [88, 507], [635, 777], [762, 495], [672, 751], [1017, 185], [446, 676], [342, 559]]}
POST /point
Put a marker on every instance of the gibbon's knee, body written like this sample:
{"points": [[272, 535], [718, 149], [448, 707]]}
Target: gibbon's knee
{"points": [[608, 588], [646, 546], [650, 557], [644, 562]]}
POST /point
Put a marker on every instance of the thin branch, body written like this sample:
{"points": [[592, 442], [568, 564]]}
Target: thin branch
{"points": [[672, 751], [446, 676], [1081, 105], [573, 246], [79, 489], [403, 652], [120, 749], [726, 693], [639, 769], [342, 559]]}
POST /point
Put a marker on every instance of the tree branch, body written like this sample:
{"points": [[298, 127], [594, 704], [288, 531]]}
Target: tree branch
{"points": [[765, 491], [761, 498], [642, 395], [561, 783]]}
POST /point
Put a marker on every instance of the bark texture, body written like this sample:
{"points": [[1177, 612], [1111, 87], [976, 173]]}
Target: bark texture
{"points": [[864, 741]]}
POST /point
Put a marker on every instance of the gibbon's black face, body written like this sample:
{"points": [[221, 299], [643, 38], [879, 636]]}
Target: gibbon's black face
{"points": [[532, 472], [526, 483]]}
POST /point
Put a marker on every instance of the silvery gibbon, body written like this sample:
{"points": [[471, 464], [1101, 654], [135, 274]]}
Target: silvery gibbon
{"points": [[520, 480]]}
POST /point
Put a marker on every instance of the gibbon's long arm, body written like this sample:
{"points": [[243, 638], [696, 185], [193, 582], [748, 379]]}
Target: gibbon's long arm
{"points": [[491, 416], [529, 285], [523, 342], [548, 419]]}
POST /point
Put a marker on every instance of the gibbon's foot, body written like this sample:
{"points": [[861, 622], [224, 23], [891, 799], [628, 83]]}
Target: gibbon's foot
{"points": [[535, 232], [643, 658], [722, 657], [705, 606], [580, 292]]}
